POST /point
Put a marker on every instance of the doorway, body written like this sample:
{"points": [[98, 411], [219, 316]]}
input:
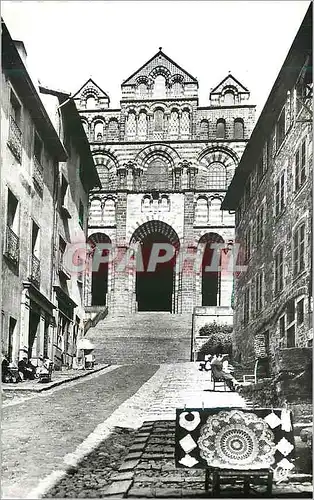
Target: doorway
{"points": [[154, 289]]}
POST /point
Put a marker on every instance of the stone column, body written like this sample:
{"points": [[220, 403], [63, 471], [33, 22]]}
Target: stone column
{"points": [[122, 173], [177, 171], [41, 334], [24, 323], [226, 276], [51, 331], [192, 171]]}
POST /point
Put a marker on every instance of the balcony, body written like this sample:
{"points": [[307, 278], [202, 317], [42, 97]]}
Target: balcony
{"points": [[35, 270], [12, 246], [38, 175], [63, 271], [15, 139]]}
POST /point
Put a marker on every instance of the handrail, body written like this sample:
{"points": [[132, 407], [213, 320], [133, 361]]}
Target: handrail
{"points": [[93, 321]]}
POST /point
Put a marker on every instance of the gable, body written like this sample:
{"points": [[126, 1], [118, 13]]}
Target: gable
{"points": [[230, 81], [160, 63], [91, 88]]}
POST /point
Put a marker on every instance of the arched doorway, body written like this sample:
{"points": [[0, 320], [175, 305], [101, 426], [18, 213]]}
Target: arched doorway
{"points": [[211, 279], [155, 285], [99, 284]]}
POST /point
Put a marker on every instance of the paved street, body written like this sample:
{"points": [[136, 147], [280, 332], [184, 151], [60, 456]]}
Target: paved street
{"points": [[82, 440], [39, 432]]}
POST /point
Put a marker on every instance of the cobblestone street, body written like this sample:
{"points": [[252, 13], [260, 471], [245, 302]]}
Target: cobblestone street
{"points": [[107, 443]]}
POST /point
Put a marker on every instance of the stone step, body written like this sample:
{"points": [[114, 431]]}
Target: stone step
{"points": [[143, 337]]}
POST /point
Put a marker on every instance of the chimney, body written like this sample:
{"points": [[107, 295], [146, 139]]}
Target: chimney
{"points": [[21, 50]]}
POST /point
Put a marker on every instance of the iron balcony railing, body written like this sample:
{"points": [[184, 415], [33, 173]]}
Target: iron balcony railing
{"points": [[12, 246], [35, 270], [15, 139], [38, 175]]}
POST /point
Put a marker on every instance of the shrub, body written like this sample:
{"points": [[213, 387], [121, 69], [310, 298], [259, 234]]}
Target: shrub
{"points": [[220, 338]]}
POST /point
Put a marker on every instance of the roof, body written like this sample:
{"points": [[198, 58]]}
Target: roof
{"points": [[90, 175], [232, 78], [14, 67], [286, 79], [158, 54], [90, 80]]}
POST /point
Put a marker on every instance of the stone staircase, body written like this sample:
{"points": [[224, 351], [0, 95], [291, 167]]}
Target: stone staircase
{"points": [[144, 337]]}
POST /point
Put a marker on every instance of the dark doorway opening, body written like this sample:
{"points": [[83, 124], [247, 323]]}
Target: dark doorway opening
{"points": [[154, 290], [211, 278], [99, 286], [32, 333]]}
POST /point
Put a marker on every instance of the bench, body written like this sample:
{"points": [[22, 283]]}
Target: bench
{"points": [[235, 444]]}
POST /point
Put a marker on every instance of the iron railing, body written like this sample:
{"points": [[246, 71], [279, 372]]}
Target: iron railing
{"points": [[35, 270], [15, 139], [12, 246], [38, 175]]}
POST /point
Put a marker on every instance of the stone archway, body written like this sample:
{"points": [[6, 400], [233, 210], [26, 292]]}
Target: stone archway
{"points": [[99, 278], [155, 283]]}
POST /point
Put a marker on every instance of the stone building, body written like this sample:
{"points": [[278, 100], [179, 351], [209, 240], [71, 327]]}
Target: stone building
{"points": [[76, 177], [165, 164], [272, 195], [34, 161]]}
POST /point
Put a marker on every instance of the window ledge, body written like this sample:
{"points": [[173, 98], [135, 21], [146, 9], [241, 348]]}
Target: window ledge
{"points": [[278, 217], [65, 212], [297, 192]]}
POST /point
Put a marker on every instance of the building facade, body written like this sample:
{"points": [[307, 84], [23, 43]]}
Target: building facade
{"points": [[40, 315], [272, 195], [165, 164]]}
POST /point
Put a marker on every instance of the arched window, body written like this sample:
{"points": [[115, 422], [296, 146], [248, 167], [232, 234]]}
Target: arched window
{"points": [[229, 98], [217, 178], [109, 212], [95, 212], [238, 132], [201, 211], [159, 87], [177, 89], [98, 131], [131, 125], [221, 129], [85, 126], [113, 130], [174, 124], [141, 90], [158, 120], [204, 129], [90, 102], [164, 205], [142, 125], [103, 173], [146, 204], [185, 123], [157, 174], [215, 214]]}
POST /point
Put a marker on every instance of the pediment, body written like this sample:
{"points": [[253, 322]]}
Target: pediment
{"points": [[160, 63]]}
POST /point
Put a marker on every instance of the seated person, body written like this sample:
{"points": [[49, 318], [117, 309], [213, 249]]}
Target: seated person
{"points": [[219, 372], [26, 370], [89, 360], [5, 372]]}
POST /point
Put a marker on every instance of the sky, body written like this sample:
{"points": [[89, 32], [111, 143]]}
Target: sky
{"points": [[69, 41]]}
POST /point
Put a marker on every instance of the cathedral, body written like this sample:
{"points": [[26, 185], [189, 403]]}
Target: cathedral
{"points": [[165, 164]]}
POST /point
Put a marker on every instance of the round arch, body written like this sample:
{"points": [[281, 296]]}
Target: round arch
{"points": [[156, 245], [162, 149]]}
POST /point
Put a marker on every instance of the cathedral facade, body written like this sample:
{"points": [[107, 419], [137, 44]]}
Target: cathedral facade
{"points": [[165, 164]]}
